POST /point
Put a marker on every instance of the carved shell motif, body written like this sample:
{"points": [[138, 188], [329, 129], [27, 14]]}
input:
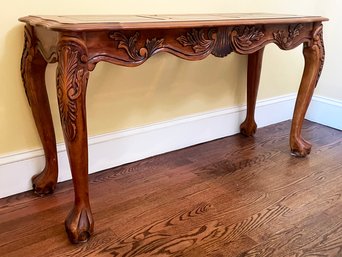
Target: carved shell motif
{"points": [[70, 79], [222, 42], [129, 44]]}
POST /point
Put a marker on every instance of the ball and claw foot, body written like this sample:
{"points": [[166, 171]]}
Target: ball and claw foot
{"points": [[300, 147], [248, 128], [79, 224], [44, 183]]}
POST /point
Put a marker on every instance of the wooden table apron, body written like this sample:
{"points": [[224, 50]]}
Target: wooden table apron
{"points": [[78, 47]]}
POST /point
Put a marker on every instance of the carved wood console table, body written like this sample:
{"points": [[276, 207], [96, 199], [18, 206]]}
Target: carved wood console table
{"points": [[78, 43]]}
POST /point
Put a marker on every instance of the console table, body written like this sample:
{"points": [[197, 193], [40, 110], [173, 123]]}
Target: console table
{"points": [[78, 43]]}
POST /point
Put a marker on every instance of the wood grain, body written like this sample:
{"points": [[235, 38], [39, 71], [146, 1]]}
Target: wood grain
{"points": [[237, 196]]}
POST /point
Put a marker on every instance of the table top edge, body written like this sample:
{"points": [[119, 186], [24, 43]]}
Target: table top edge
{"points": [[51, 24]]}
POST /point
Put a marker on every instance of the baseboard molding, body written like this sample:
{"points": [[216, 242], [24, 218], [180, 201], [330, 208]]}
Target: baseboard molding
{"points": [[325, 111], [134, 144]]}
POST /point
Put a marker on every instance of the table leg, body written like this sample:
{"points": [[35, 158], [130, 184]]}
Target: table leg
{"points": [[314, 59], [72, 78], [33, 68], [249, 126]]}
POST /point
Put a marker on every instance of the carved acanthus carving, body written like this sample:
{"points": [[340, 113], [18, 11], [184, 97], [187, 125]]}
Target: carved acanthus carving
{"points": [[247, 38], [285, 39], [197, 40], [70, 79], [27, 57], [319, 42], [129, 44]]}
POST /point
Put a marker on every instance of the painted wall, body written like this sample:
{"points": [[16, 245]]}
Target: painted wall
{"points": [[330, 84], [163, 88]]}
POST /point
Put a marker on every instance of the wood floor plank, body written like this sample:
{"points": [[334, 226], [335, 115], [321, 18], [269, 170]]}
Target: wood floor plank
{"points": [[317, 235]]}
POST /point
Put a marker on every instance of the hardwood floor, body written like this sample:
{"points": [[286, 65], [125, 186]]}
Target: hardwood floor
{"points": [[235, 196]]}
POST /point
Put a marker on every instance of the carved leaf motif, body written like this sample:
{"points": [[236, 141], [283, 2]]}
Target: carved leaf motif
{"points": [[151, 46], [129, 44], [295, 32], [286, 39], [69, 84], [197, 40], [244, 37]]}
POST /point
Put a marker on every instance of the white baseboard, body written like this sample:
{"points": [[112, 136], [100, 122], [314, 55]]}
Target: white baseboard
{"points": [[325, 111], [134, 144]]}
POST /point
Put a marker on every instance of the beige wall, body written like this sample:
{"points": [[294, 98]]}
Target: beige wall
{"points": [[163, 88], [330, 84]]}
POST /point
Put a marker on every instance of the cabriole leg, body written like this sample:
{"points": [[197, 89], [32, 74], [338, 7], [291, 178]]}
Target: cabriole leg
{"points": [[314, 59], [33, 68], [72, 78], [249, 126]]}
